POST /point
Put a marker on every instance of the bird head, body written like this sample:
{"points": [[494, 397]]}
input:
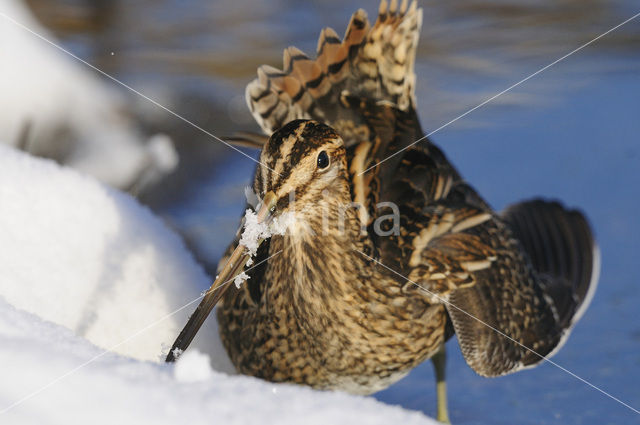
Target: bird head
{"points": [[304, 161], [301, 165]]}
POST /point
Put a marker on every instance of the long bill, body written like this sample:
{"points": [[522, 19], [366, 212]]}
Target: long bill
{"points": [[231, 269]]}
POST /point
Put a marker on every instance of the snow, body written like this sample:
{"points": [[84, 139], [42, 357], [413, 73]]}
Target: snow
{"points": [[90, 291], [116, 389], [255, 231], [240, 279], [92, 259], [72, 115], [192, 366], [280, 224]]}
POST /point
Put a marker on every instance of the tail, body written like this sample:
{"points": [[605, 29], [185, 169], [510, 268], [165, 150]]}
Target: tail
{"points": [[374, 62], [563, 251]]}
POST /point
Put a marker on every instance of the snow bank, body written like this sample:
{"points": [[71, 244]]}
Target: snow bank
{"points": [[102, 267], [92, 259], [117, 390], [71, 113]]}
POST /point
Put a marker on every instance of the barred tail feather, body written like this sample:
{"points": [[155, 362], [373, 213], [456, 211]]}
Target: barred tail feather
{"points": [[374, 62]]}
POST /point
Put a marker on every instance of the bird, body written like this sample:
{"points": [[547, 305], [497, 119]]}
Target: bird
{"points": [[391, 252]]}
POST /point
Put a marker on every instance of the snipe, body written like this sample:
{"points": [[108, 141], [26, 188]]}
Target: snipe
{"points": [[392, 252]]}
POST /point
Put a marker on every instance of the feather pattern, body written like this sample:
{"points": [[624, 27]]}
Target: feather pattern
{"points": [[323, 311], [374, 62]]}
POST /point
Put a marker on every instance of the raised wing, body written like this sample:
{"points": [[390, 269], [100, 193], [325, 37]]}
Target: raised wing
{"points": [[513, 286]]}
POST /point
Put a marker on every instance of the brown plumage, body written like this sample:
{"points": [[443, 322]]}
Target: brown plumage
{"points": [[352, 299]]}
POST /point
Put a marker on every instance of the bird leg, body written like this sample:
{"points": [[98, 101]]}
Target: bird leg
{"points": [[439, 361]]}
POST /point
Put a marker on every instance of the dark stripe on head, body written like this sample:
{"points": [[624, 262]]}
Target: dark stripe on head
{"points": [[299, 150], [317, 133], [313, 135], [258, 183], [277, 139]]}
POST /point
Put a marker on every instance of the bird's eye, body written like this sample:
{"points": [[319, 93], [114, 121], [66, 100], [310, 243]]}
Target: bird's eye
{"points": [[323, 160]]}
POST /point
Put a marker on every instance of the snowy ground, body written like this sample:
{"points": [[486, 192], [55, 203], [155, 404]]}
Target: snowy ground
{"points": [[89, 258], [49, 364], [87, 273]]}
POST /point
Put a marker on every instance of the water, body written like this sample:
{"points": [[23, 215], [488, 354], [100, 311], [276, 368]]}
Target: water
{"points": [[570, 133]]}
